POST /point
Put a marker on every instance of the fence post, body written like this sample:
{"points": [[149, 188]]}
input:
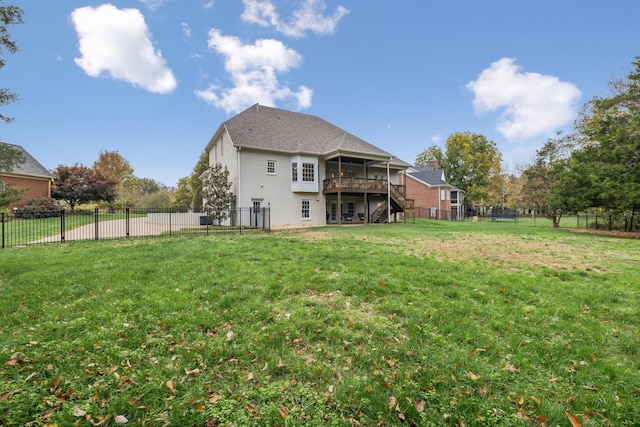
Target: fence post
{"points": [[170, 212], [2, 230], [126, 220], [62, 226], [96, 221]]}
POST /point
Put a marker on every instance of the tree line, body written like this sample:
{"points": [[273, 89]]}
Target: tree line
{"points": [[595, 168]]}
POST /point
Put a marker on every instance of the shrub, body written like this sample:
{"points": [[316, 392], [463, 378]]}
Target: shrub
{"points": [[42, 207]]}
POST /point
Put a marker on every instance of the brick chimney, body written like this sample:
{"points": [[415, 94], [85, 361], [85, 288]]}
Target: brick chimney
{"points": [[434, 164]]}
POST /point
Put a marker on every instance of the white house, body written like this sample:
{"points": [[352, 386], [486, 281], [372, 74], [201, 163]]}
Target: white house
{"points": [[306, 170]]}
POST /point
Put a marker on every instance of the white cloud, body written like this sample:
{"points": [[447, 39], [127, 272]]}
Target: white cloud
{"points": [[208, 4], [153, 4], [186, 29], [308, 17], [533, 104], [254, 69], [116, 42]]}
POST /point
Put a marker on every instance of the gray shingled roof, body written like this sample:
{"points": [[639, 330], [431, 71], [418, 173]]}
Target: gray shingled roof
{"points": [[31, 166], [269, 128], [429, 175]]}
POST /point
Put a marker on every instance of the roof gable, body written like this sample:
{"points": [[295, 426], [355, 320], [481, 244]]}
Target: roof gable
{"points": [[269, 128], [429, 175], [30, 167]]}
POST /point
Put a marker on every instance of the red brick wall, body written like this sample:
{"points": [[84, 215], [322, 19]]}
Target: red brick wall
{"points": [[425, 197], [36, 187]]}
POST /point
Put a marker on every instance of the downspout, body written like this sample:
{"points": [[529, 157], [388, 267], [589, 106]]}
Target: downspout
{"points": [[439, 206], [365, 196], [340, 190], [239, 175], [389, 192]]}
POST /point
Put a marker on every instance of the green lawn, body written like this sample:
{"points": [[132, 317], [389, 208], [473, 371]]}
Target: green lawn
{"points": [[23, 231], [433, 323]]}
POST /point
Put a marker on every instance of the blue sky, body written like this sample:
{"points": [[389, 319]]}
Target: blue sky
{"points": [[153, 79]]}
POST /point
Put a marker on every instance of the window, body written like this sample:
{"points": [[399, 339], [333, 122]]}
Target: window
{"points": [[308, 172], [271, 167], [294, 172], [350, 208], [443, 194], [306, 209]]}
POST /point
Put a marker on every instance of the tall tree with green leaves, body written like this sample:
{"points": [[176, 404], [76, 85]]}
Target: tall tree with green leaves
{"points": [[540, 180], [183, 195], [473, 164], [196, 183], [433, 152], [605, 171], [9, 15], [216, 194], [9, 155]]}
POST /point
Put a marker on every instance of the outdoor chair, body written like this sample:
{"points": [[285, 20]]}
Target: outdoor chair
{"points": [[361, 217]]}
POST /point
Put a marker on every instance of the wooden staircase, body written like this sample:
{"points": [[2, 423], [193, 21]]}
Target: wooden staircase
{"points": [[399, 203]]}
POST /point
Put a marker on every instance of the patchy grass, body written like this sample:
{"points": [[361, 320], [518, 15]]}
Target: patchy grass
{"points": [[425, 324]]}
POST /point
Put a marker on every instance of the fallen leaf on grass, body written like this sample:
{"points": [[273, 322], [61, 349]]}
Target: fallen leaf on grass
{"points": [[284, 412], [393, 402], [5, 395], [541, 420], [77, 412], [473, 376], [573, 420], [170, 385], [510, 368], [121, 419], [419, 406]]}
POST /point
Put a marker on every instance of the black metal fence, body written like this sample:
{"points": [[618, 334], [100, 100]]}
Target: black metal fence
{"points": [[434, 213], [26, 227]]}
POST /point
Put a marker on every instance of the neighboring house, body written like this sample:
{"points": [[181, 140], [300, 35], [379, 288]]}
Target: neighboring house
{"points": [[433, 196], [306, 170], [30, 176]]}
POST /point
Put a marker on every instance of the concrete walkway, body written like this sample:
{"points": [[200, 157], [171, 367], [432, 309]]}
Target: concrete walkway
{"points": [[112, 229]]}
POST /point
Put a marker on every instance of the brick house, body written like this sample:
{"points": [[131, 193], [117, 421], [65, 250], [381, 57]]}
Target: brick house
{"points": [[30, 175], [433, 196]]}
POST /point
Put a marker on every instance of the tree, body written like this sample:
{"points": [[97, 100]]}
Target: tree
{"points": [[79, 184], [473, 164], [196, 182], [605, 171], [10, 156], [9, 194], [541, 179], [433, 152], [215, 192], [9, 15], [112, 165], [183, 194]]}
